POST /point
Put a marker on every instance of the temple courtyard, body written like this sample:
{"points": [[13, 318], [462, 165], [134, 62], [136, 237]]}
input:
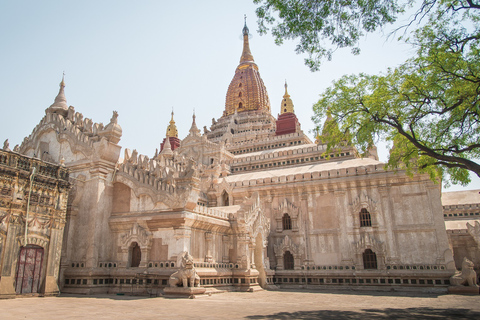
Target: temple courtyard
{"points": [[283, 304]]}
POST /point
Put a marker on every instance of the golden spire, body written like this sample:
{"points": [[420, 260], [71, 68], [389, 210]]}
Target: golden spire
{"points": [[172, 128], [287, 103], [246, 54], [246, 91]]}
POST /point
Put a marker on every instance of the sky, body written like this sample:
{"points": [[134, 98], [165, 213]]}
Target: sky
{"points": [[145, 58]]}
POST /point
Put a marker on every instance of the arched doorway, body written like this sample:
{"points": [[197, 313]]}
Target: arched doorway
{"points": [[369, 259], [135, 255], [29, 269], [288, 261], [225, 199]]}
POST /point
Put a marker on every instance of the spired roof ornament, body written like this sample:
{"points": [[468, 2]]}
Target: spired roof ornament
{"points": [[60, 104], [287, 103], [246, 91], [172, 128]]}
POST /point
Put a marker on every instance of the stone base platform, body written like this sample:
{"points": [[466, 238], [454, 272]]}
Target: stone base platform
{"points": [[183, 292], [463, 290]]}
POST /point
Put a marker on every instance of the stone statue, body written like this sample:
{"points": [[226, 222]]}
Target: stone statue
{"points": [[71, 114], [467, 276], [187, 275], [114, 117], [6, 145]]}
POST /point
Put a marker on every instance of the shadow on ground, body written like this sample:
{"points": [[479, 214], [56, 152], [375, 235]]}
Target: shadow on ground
{"points": [[343, 291], [111, 296], [356, 291], [408, 313]]}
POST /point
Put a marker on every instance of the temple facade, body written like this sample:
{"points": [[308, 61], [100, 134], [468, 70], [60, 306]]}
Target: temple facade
{"points": [[253, 200], [33, 205]]}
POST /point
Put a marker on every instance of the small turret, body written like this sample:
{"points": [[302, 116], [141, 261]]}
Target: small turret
{"points": [[59, 106], [287, 121], [171, 136], [166, 148], [287, 103], [172, 129], [194, 131]]}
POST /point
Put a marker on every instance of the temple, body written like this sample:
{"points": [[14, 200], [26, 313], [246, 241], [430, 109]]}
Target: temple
{"points": [[252, 199]]}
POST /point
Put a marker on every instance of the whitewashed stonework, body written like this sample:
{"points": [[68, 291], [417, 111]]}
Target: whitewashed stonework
{"points": [[461, 211], [252, 199]]}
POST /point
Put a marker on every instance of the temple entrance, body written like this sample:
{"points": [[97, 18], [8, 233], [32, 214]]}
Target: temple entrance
{"points": [[225, 199], [29, 269], [136, 255], [288, 261]]}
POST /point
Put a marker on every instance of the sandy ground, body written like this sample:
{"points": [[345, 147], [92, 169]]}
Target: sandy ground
{"points": [[284, 304]]}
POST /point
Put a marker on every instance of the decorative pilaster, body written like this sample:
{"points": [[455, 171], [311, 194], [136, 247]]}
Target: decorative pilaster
{"points": [[182, 236], [208, 247]]}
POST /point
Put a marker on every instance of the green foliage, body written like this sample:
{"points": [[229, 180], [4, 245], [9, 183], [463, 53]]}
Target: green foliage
{"points": [[429, 107], [316, 22]]}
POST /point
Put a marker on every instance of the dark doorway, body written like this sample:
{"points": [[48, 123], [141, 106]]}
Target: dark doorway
{"points": [[225, 198], [136, 255], [29, 269], [288, 261], [369, 259]]}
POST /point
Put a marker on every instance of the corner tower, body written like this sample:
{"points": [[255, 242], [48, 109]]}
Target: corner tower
{"points": [[287, 120], [172, 135], [246, 91]]}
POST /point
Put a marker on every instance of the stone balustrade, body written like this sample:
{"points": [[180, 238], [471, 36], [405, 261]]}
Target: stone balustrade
{"points": [[24, 163], [209, 212], [313, 176]]}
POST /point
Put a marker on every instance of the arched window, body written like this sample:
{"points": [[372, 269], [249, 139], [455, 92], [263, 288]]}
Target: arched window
{"points": [[365, 218], [225, 198], [240, 84], [240, 105], [239, 94], [288, 261], [369, 259], [286, 222], [136, 255]]}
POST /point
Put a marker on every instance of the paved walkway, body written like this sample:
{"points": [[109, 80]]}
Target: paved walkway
{"points": [[285, 304]]}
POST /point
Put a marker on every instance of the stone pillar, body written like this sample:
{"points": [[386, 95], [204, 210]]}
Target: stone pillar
{"points": [[278, 219], [98, 212], [10, 253], [53, 261], [381, 261], [304, 210], [208, 247], [344, 239], [243, 256], [251, 248], [297, 260], [226, 248], [182, 236], [279, 257]]}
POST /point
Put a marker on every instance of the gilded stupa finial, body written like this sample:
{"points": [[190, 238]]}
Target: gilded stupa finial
{"points": [[287, 103], [172, 128]]}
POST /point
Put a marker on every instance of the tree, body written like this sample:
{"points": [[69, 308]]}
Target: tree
{"points": [[340, 22], [429, 107]]}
